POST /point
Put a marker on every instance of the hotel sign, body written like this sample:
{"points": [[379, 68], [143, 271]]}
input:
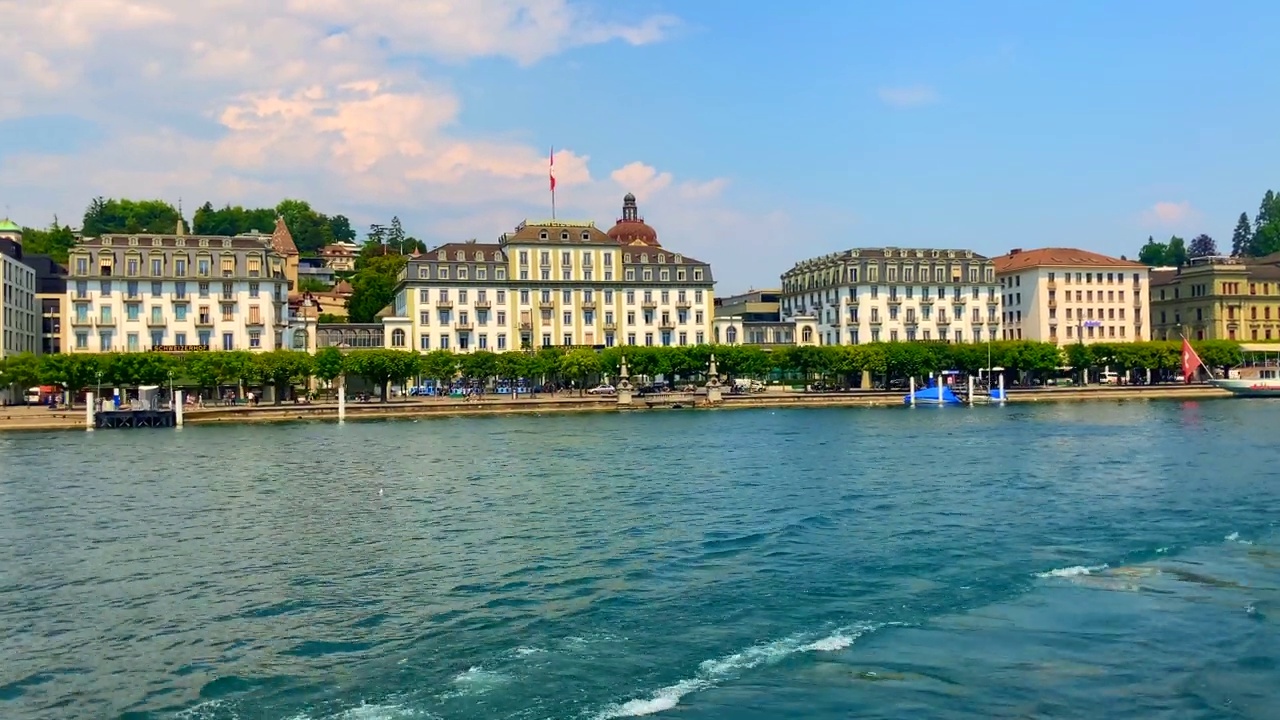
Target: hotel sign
{"points": [[179, 348]]}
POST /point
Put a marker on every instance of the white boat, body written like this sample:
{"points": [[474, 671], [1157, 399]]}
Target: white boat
{"points": [[1258, 377], [1256, 381]]}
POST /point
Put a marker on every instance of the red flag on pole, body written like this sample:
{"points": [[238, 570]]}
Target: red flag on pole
{"points": [[551, 169], [1190, 361]]}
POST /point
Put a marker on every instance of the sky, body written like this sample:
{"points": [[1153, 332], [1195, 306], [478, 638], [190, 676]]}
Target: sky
{"points": [[753, 134]]}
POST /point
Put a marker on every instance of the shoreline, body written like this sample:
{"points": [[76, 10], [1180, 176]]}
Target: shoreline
{"points": [[21, 418]]}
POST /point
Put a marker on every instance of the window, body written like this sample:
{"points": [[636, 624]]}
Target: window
{"points": [[228, 312], [424, 342], [255, 338], [253, 289], [178, 339], [228, 266], [157, 315], [157, 267], [397, 338], [180, 313], [228, 341], [131, 311], [255, 315]]}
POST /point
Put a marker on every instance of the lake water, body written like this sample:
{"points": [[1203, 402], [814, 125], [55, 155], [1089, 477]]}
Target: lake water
{"points": [[1070, 561]]}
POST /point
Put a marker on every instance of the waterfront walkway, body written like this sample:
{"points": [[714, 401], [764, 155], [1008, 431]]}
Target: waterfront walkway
{"points": [[41, 418]]}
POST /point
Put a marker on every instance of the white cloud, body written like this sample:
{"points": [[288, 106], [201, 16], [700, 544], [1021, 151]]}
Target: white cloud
{"points": [[1168, 213], [908, 97], [250, 101]]}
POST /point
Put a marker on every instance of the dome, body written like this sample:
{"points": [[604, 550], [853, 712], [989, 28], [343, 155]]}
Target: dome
{"points": [[631, 229]]}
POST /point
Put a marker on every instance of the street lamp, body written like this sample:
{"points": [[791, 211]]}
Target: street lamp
{"points": [[171, 390], [98, 396]]}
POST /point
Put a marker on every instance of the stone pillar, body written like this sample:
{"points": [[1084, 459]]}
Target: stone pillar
{"points": [[88, 411], [866, 379], [624, 385], [342, 400], [177, 408], [713, 384]]}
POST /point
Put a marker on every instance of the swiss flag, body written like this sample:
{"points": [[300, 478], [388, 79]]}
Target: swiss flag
{"points": [[551, 169], [1190, 361]]}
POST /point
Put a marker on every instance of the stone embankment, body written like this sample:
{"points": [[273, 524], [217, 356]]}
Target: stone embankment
{"points": [[34, 418]]}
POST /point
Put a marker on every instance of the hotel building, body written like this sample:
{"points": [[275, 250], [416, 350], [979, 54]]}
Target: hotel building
{"points": [[1064, 295], [553, 283], [129, 293], [19, 313], [895, 294], [1218, 298]]}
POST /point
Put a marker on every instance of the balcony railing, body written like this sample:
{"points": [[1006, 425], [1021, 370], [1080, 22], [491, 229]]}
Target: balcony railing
{"points": [[610, 326], [444, 304], [546, 305], [895, 299], [483, 304], [648, 304], [588, 305], [464, 326], [683, 304]]}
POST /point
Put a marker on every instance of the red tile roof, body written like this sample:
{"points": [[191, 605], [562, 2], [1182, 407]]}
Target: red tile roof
{"points": [[1058, 257], [282, 239]]}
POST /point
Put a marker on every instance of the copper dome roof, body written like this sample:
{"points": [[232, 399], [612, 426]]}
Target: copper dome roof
{"points": [[631, 229]]}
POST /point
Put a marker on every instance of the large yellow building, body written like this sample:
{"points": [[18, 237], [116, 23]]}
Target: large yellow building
{"points": [[1218, 298], [553, 283]]}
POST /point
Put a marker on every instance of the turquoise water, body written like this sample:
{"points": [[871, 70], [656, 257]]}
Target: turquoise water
{"points": [[1068, 561]]}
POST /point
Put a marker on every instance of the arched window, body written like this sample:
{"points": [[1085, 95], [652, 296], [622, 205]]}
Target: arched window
{"points": [[807, 334], [731, 335], [397, 338], [300, 339]]}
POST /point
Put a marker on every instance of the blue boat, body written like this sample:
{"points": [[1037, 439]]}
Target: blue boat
{"points": [[935, 394]]}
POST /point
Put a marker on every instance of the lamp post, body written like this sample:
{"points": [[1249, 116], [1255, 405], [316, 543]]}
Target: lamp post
{"points": [[170, 388], [99, 387]]}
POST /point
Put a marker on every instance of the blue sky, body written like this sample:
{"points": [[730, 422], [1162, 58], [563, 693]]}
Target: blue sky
{"points": [[754, 135]]}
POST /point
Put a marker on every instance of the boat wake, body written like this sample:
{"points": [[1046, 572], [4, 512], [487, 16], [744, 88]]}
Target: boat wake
{"points": [[713, 672]]}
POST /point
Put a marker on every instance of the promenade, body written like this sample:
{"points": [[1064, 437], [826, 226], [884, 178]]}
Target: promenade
{"points": [[39, 418]]}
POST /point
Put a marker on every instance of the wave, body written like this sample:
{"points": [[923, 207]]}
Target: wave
{"points": [[713, 672], [1235, 538], [1073, 571]]}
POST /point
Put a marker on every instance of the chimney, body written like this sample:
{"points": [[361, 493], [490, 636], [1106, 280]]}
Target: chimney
{"points": [[1015, 251]]}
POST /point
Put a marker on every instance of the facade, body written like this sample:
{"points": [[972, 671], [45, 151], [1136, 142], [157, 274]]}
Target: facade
{"points": [[895, 294], [315, 269], [129, 293], [340, 256], [553, 283], [51, 296], [1065, 295], [19, 312], [1218, 298], [755, 318]]}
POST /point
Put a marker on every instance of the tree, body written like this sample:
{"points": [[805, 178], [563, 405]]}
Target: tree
{"points": [[441, 366], [56, 241], [1202, 246], [310, 229], [282, 369], [373, 286], [129, 216], [21, 370], [340, 228], [232, 220], [1242, 238], [579, 365], [72, 372], [1153, 254], [1177, 254], [1266, 226], [328, 364], [375, 365]]}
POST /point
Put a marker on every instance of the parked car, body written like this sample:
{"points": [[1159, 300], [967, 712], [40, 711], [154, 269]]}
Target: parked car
{"points": [[604, 389]]}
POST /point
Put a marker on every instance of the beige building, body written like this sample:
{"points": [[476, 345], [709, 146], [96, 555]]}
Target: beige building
{"points": [[130, 293], [340, 256], [895, 294], [19, 313], [1065, 295], [1218, 298], [553, 283]]}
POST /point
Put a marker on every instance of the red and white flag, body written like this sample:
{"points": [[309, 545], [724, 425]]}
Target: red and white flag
{"points": [[1190, 361], [551, 170]]}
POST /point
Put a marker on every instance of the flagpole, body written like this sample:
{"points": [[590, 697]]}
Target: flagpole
{"points": [[551, 172]]}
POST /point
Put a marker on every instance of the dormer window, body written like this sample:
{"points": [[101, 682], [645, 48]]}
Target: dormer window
{"points": [[542, 235], [585, 236], [626, 257], [442, 255], [564, 234], [662, 258], [679, 258], [644, 257], [460, 256], [479, 256]]}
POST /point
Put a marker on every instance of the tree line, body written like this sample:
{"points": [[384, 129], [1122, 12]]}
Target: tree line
{"points": [[1255, 238], [284, 369]]}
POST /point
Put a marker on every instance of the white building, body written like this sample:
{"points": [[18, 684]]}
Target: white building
{"points": [[553, 283], [895, 294], [1065, 295], [130, 293], [20, 329]]}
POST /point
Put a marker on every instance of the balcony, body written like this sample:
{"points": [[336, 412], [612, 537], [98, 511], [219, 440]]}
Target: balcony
{"points": [[82, 322], [444, 304], [911, 321], [464, 326], [588, 304], [106, 322], [526, 326], [895, 299], [927, 301], [1051, 285], [610, 327], [156, 322], [254, 322], [546, 305], [1053, 304], [204, 321], [482, 305], [649, 305], [960, 300], [666, 325], [1137, 301], [683, 304], [875, 320], [944, 320]]}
